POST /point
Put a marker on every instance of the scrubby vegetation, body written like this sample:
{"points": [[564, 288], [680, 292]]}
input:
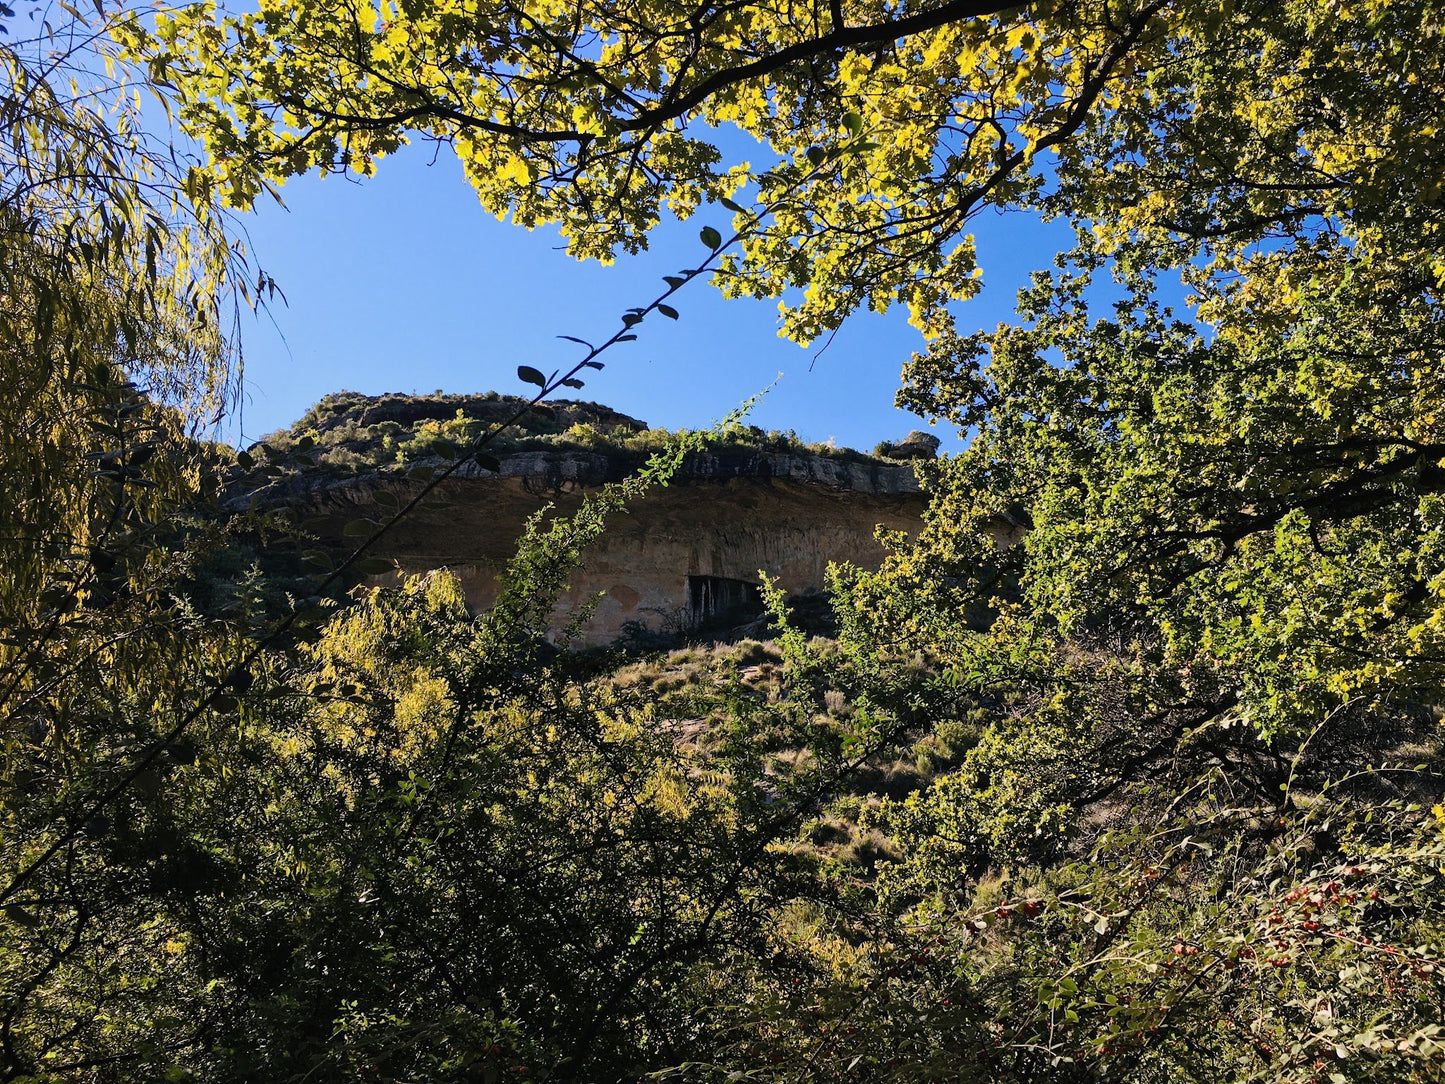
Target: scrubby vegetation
{"points": [[1148, 792], [348, 433]]}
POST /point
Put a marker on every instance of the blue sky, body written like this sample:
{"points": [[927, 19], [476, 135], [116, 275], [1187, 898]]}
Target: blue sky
{"points": [[402, 282]]}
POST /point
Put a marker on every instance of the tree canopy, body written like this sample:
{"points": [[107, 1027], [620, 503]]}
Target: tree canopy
{"points": [[860, 138]]}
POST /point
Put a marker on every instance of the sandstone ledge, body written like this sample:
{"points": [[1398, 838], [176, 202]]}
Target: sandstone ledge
{"points": [[730, 512]]}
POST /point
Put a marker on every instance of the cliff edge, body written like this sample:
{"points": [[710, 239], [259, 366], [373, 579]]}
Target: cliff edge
{"points": [[684, 558]]}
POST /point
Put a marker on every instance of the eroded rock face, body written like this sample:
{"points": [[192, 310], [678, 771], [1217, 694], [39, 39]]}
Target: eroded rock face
{"points": [[725, 517], [917, 445], [685, 554]]}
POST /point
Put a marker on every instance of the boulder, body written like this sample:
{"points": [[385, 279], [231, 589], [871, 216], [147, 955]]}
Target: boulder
{"points": [[916, 445]]}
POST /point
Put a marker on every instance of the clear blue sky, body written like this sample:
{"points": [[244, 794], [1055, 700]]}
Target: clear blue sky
{"points": [[402, 282]]}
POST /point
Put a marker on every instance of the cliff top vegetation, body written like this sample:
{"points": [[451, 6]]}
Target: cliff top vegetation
{"points": [[351, 433]]}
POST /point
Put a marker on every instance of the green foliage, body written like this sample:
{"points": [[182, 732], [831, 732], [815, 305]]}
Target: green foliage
{"points": [[353, 434], [1222, 947], [1077, 795], [461, 854], [1191, 570], [1265, 505], [579, 116], [117, 276], [884, 131]]}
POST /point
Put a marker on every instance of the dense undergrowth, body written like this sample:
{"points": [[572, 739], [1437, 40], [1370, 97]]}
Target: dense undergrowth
{"points": [[1150, 793]]}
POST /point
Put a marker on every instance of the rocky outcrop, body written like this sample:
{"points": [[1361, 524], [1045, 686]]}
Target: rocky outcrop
{"points": [[682, 555], [372, 410], [917, 445], [722, 520]]}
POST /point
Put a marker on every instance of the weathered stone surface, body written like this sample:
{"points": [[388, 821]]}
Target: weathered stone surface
{"points": [[686, 553], [917, 445], [727, 515]]}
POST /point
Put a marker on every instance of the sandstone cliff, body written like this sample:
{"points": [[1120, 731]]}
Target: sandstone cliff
{"points": [[681, 557]]}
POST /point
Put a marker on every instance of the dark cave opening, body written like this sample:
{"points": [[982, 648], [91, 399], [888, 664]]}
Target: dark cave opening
{"points": [[718, 600]]}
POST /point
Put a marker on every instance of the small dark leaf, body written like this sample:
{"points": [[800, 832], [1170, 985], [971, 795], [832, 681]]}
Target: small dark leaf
{"points": [[815, 155], [317, 559], [386, 498], [668, 311], [102, 561], [374, 566], [245, 460], [21, 917], [853, 123], [674, 281], [630, 319], [529, 375], [575, 339], [59, 598], [359, 528], [445, 448], [242, 680], [421, 474], [488, 462], [598, 364], [711, 238], [732, 206], [572, 382]]}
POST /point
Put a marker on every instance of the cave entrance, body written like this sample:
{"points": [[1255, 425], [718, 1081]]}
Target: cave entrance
{"points": [[716, 601]]}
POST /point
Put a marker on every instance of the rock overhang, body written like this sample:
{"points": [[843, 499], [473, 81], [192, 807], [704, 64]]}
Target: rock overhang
{"points": [[729, 513]]}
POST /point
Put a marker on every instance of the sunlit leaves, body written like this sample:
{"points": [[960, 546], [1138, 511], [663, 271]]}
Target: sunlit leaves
{"points": [[117, 280], [579, 117]]}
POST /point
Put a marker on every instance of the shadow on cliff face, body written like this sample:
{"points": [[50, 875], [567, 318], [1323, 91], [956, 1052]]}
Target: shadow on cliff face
{"points": [[726, 613]]}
